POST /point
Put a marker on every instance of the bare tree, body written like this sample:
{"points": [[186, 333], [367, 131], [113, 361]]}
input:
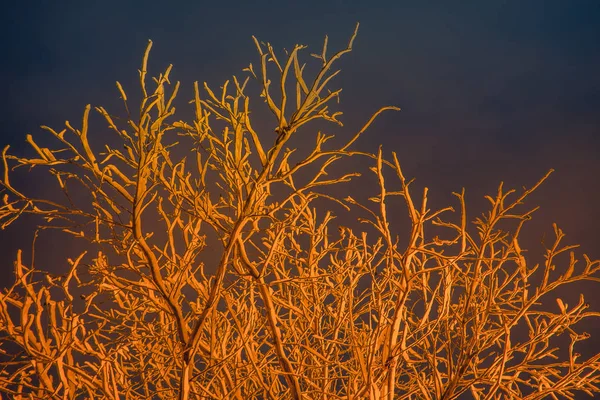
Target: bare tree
{"points": [[295, 305]]}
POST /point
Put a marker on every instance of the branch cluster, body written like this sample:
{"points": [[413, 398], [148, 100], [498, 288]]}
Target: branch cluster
{"points": [[293, 305]]}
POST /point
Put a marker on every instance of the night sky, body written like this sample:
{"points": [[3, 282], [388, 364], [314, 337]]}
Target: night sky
{"points": [[490, 91]]}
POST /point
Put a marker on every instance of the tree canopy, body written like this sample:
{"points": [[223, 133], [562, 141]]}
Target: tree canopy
{"points": [[215, 266]]}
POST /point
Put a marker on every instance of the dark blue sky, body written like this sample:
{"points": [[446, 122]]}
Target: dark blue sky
{"points": [[489, 90]]}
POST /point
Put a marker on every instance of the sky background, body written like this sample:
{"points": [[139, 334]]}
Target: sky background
{"points": [[490, 91]]}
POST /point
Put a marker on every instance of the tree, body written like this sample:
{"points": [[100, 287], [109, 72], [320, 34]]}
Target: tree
{"points": [[295, 305]]}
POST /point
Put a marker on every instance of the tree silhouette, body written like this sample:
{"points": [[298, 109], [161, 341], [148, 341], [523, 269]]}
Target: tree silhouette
{"points": [[294, 304]]}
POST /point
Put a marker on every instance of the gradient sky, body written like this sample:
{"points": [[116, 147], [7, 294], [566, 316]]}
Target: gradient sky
{"points": [[489, 90]]}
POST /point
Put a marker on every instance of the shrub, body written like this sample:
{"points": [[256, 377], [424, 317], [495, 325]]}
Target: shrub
{"points": [[219, 271]]}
